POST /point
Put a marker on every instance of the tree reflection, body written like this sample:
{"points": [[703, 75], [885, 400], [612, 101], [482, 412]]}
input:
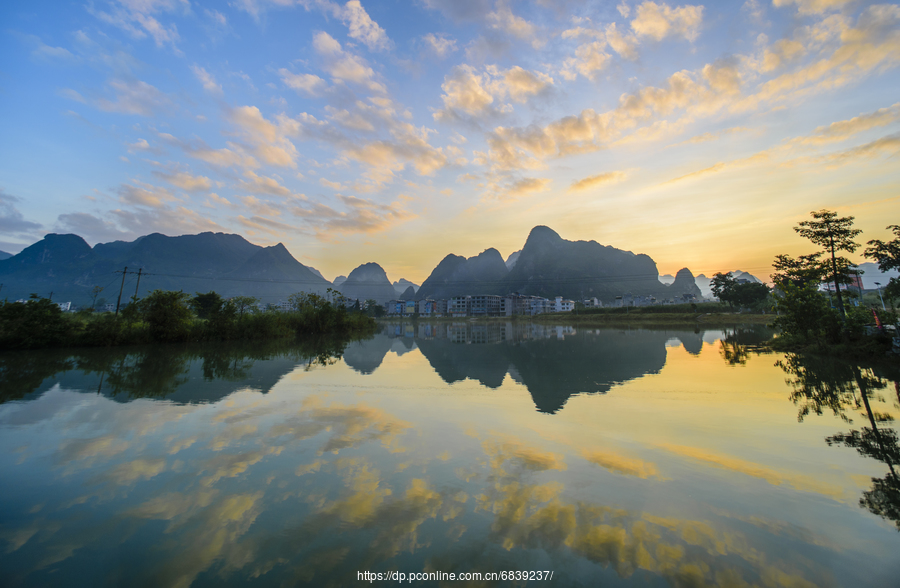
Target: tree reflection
{"points": [[819, 384], [161, 371], [738, 344]]}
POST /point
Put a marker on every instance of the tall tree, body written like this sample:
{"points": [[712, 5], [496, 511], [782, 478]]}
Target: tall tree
{"points": [[833, 233]]}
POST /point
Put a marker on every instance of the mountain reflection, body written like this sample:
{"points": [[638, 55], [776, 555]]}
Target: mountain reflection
{"points": [[552, 362]]}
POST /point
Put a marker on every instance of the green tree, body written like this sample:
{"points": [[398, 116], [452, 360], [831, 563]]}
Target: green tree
{"points": [[803, 313], [374, 309], [33, 324], [806, 269], [751, 294], [722, 286], [167, 314], [245, 303], [834, 234], [887, 255], [207, 304]]}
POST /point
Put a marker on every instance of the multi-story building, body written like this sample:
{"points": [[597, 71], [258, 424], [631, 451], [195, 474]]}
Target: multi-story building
{"points": [[459, 306], [485, 305], [394, 307]]}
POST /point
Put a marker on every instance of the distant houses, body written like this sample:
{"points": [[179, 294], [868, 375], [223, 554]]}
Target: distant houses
{"points": [[480, 305]]}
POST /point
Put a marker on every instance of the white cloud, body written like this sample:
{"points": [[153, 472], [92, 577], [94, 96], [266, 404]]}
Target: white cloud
{"points": [[269, 140], [812, 6], [133, 97], [136, 17], [359, 216], [363, 28], [590, 59], [185, 180], [659, 21], [345, 66], [441, 44], [468, 93], [841, 130], [503, 19], [262, 185], [309, 84], [205, 78], [142, 194]]}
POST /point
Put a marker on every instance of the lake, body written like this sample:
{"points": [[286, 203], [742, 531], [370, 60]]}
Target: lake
{"points": [[607, 457]]}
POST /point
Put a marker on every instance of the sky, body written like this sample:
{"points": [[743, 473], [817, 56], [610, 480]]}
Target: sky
{"points": [[398, 132]]}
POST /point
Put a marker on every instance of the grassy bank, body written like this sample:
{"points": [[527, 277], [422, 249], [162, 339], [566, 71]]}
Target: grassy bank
{"points": [[166, 318]]}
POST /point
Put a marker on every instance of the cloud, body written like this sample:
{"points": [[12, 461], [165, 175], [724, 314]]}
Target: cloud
{"points": [[231, 156], [141, 194], [363, 28], [523, 187], [503, 19], [359, 216], [598, 180], [841, 130], [266, 225], [205, 78], [309, 84], [464, 91], [885, 146], [136, 18], [343, 66], [721, 166], [590, 58], [812, 6], [469, 94], [269, 140], [141, 145], [441, 45], [92, 228], [624, 45], [262, 185], [11, 220], [659, 21], [133, 97], [185, 181]]}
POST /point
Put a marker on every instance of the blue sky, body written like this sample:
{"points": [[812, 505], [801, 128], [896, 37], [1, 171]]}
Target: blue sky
{"points": [[398, 132]]}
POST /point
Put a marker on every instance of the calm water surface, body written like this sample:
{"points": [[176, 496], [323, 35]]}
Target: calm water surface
{"points": [[612, 458]]}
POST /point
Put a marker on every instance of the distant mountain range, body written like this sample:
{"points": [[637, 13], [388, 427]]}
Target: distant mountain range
{"points": [[5, 255], [547, 265], [228, 264], [703, 282]]}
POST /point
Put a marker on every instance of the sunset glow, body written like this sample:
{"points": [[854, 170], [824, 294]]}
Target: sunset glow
{"points": [[399, 132]]}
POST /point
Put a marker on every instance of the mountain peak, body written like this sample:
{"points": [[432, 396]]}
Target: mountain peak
{"points": [[541, 233]]}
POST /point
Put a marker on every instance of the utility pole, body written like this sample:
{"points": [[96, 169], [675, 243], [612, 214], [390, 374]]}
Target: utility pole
{"points": [[878, 284], [122, 287], [51, 296], [138, 283]]}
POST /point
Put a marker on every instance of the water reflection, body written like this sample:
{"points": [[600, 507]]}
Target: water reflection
{"points": [[552, 362], [163, 371], [820, 384], [257, 469]]}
